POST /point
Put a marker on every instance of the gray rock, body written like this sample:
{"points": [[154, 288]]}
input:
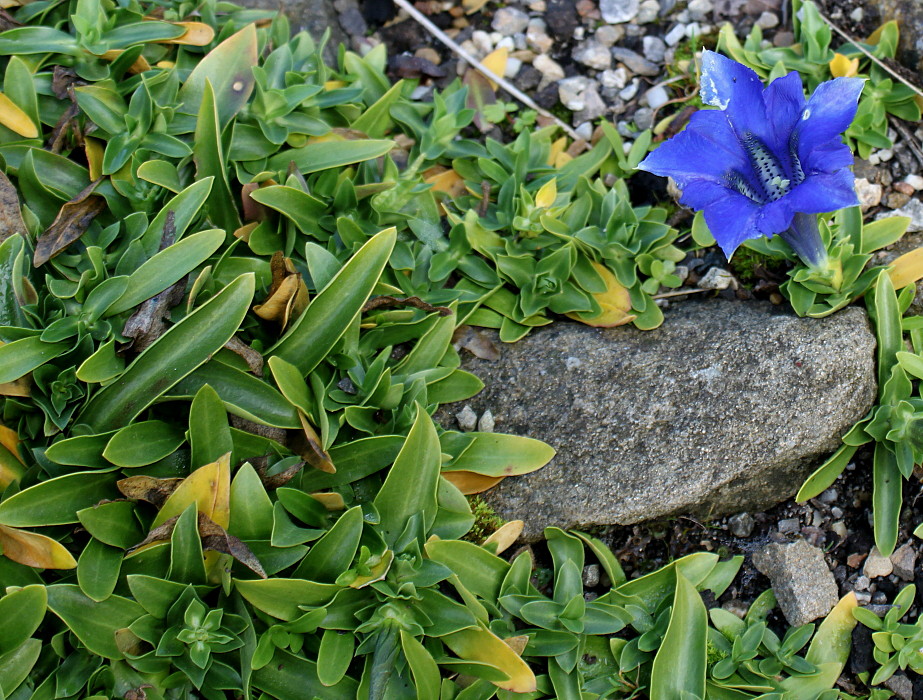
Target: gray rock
{"points": [[741, 525], [804, 586], [617, 11], [734, 421], [903, 560], [591, 576], [593, 54], [467, 419], [635, 62], [716, 278], [572, 92], [877, 565], [900, 685], [768, 20], [648, 12], [675, 35], [913, 209], [644, 118], [789, 526], [486, 422], [654, 48], [869, 193], [656, 97], [699, 9], [611, 34], [509, 21], [593, 106]]}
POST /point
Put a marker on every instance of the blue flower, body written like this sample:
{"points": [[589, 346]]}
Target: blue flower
{"points": [[766, 161]]}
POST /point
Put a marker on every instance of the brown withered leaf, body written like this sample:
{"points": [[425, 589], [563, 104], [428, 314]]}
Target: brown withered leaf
{"points": [[253, 359], [416, 302], [62, 80], [253, 210], [274, 481], [308, 445], [476, 342], [17, 387], [69, 225], [330, 500], [412, 67], [148, 488], [470, 483], [67, 123], [213, 536], [288, 294], [7, 21], [480, 95], [11, 221], [147, 323]]}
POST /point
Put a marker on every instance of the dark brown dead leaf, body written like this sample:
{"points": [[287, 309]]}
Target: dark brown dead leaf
{"points": [[69, 225], [67, 124], [266, 431], [416, 302], [11, 221], [308, 445], [7, 21], [253, 210], [253, 359], [148, 488], [62, 80], [147, 323], [480, 94], [274, 481], [213, 536], [476, 342]]}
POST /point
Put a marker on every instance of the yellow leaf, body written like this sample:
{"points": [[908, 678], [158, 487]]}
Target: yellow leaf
{"points": [[17, 387], [615, 302], [165, 64], [472, 6], [445, 180], [288, 295], [480, 644], [833, 638], [310, 447], [14, 119], [244, 231], [562, 159], [470, 483], [139, 66], [334, 84], [94, 151], [209, 487], [842, 67], [197, 34], [495, 62], [504, 536], [517, 644], [546, 194], [10, 440], [30, 549], [557, 148], [907, 269], [330, 501], [11, 465]]}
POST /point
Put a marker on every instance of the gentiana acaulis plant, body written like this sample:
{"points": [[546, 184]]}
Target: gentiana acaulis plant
{"points": [[767, 160]]}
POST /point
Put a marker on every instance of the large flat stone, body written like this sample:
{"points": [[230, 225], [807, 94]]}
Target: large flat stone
{"points": [[726, 407]]}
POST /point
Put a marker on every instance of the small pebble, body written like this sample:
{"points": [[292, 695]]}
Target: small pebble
{"points": [[896, 200], [610, 34], [654, 48], [857, 15], [863, 598], [486, 422], [836, 512], [630, 90], [877, 565], [482, 42], [675, 35], [648, 12], [869, 194], [618, 11], [904, 188], [593, 55], [699, 9], [782, 39], [429, 54], [591, 576], [717, 278], [839, 529], [768, 20], [862, 583], [467, 419], [644, 118], [741, 525], [737, 607], [885, 154], [635, 62], [904, 558], [915, 181], [788, 525], [656, 97], [509, 20], [614, 78], [584, 131], [829, 496], [550, 69]]}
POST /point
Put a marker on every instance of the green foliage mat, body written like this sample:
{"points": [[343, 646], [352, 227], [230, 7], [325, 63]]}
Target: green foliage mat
{"points": [[219, 472]]}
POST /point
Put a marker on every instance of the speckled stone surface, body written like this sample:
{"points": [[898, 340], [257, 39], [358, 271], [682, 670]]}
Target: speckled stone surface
{"points": [[801, 580], [726, 407]]}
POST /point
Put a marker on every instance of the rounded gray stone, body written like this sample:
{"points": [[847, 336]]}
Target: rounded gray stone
{"points": [[726, 407], [804, 586]]}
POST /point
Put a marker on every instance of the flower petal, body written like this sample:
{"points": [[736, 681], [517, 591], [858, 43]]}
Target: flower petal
{"points": [[825, 192], [732, 220], [827, 158], [828, 113], [707, 148], [784, 100], [736, 90]]}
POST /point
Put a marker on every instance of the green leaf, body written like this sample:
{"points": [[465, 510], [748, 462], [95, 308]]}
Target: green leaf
{"points": [[886, 499], [333, 553], [251, 509], [102, 365], [168, 266], [280, 597], [228, 67], [329, 154], [425, 672], [98, 569], [480, 571], [94, 623], [334, 656], [22, 611], [56, 501], [171, 357], [411, 484], [209, 433], [26, 354], [81, 451], [113, 523], [679, 666], [140, 444], [496, 454], [887, 328], [16, 665], [290, 677], [606, 558], [187, 564], [209, 157], [826, 473], [882, 233], [327, 317], [185, 207]]}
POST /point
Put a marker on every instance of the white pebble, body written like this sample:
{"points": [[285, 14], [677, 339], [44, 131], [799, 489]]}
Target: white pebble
{"points": [[467, 419], [486, 422], [656, 97], [675, 35], [915, 181]]}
